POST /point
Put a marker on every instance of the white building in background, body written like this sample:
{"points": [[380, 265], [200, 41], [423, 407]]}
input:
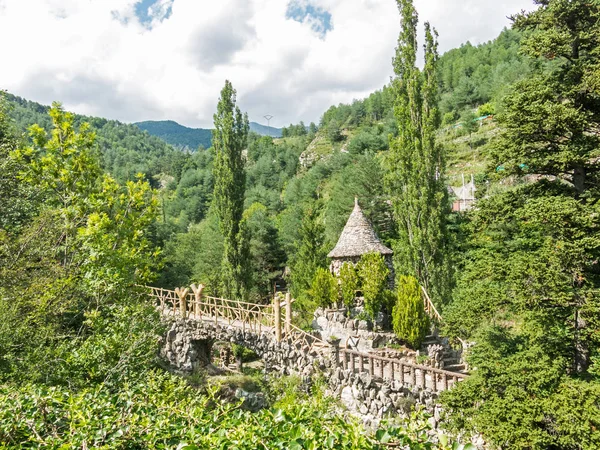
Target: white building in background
{"points": [[465, 195]]}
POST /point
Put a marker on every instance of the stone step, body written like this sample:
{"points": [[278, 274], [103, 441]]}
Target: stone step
{"points": [[455, 367], [449, 358]]}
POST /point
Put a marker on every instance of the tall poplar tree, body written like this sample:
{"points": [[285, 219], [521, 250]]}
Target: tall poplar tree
{"points": [[416, 165], [229, 139]]}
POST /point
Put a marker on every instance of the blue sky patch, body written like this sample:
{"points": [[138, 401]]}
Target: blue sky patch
{"points": [[149, 10], [318, 18]]}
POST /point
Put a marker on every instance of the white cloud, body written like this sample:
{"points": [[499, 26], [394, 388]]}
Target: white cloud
{"points": [[98, 59]]}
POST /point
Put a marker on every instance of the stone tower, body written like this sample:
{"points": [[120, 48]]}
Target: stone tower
{"points": [[358, 238]]}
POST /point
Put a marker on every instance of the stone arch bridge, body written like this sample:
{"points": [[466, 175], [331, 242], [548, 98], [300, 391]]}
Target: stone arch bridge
{"points": [[371, 384]]}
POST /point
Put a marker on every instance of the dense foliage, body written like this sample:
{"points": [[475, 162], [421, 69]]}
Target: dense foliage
{"points": [[409, 320], [374, 277], [324, 288], [416, 164], [68, 264], [178, 136], [163, 412], [528, 289], [349, 283], [230, 138]]}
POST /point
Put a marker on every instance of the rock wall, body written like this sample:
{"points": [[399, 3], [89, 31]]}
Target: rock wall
{"points": [[180, 348], [354, 333], [371, 398]]}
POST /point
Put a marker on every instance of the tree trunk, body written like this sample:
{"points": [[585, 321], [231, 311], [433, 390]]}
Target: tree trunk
{"points": [[579, 175], [581, 360]]}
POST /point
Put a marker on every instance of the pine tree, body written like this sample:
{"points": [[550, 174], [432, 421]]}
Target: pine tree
{"points": [[310, 254], [373, 274], [229, 139], [409, 318], [349, 283], [415, 166], [324, 288]]}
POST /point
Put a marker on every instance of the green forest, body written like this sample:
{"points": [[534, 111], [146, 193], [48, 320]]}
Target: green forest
{"points": [[92, 210]]}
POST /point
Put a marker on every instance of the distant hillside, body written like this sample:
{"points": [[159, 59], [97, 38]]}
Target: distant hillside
{"points": [[177, 135], [191, 138], [125, 149], [264, 130]]}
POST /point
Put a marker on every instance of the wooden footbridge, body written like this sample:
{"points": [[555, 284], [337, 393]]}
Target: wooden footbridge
{"points": [[274, 321]]}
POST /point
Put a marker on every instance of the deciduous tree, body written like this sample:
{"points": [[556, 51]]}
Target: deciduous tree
{"points": [[416, 164], [229, 140]]}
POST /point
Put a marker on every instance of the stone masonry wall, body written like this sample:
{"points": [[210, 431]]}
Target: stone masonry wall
{"points": [[368, 397]]}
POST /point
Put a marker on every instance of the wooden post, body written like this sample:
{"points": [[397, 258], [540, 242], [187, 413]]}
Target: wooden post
{"points": [[413, 376], [361, 363], [259, 320], [352, 362], [445, 382], [434, 381], [371, 368], [182, 294], [197, 297], [277, 312], [401, 373], [288, 313]]}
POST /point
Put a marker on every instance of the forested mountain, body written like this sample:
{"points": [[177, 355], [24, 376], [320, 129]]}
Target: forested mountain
{"points": [[124, 149], [265, 130], [177, 135], [187, 138]]}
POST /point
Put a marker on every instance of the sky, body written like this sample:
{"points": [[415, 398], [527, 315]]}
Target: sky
{"points": [[135, 60]]}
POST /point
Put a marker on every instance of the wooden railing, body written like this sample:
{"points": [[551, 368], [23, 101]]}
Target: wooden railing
{"points": [[305, 339], [430, 308], [185, 304], [396, 370], [191, 304]]}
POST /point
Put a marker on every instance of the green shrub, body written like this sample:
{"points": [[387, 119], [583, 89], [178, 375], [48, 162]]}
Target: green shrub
{"points": [[373, 274], [164, 412], [409, 318], [367, 140], [349, 283], [487, 109], [334, 133], [324, 288]]}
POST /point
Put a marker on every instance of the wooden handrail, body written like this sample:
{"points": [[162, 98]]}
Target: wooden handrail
{"points": [[250, 315], [258, 318], [430, 308], [405, 364], [396, 370], [307, 338]]}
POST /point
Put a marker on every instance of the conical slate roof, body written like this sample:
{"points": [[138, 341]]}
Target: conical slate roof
{"points": [[358, 237]]}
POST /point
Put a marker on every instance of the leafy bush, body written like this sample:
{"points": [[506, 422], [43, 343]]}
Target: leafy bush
{"points": [[117, 345], [487, 109], [367, 141], [520, 396], [373, 274], [163, 412], [334, 133], [324, 288], [409, 318], [349, 283]]}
